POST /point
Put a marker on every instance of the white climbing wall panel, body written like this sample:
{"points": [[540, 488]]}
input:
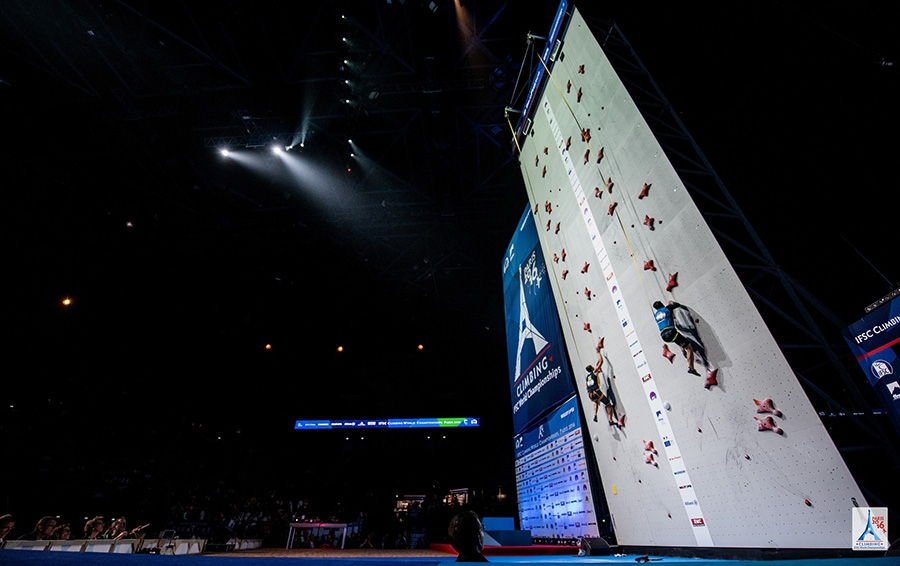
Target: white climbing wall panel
{"points": [[715, 478]]}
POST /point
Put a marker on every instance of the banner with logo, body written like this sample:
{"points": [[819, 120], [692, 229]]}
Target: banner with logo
{"points": [[875, 342], [552, 482], [539, 371], [870, 528]]}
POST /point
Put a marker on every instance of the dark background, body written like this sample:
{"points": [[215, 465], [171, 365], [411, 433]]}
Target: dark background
{"points": [[182, 265]]}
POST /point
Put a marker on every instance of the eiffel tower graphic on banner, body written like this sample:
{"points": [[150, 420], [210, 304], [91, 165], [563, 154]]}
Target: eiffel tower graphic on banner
{"points": [[527, 331], [870, 530]]}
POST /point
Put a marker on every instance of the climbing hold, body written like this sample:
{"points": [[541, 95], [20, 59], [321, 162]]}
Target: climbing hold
{"points": [[586, 135], [564, 273], [557, 228], [568, 87], [648, 446], [535, 209], [585, 268], [645, 191], [580, 69], [700, 431], [555, 258], [767, 423], [609, 185], [587, 293], [600, 342], [746, 456], [597, 192], [808, 504], [621, 423], [648, 458], [548, 225], [669, 514], [667, 353], [587, 326], [648, 265], [711, 377], [648, 222], [673, 282], [587, 155], [564, 254], [578, 96], [767, 406], [548, 207], [537, 159], [544, 171], [612, 207], [568, 143], [546, 150], [599, 155]]}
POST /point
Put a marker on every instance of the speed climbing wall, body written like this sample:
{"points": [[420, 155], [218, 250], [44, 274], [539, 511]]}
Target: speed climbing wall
{"points": [[732, 457]]}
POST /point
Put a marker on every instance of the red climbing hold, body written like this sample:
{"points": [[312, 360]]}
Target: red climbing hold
{"points": [[548, 225], [711, 377], [621, 423], [767, 406], [587, 293], [568, 87], [667, 353], [600, 342], [544, 171], [612, 207], [597, 192], [673, 282], [645, 191], [648, 458], [767, 423], [587, 326], [648, 446], [648, 265], [587, 155], [585, 268], [580, 69], [609, 185], [557, 228], [555, 258], [599, 155], [568, 143], [564, 254], [564, 273], [578, 96], [648, 221]]}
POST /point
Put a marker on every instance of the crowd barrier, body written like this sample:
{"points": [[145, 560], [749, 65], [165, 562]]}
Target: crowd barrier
{"points": [[124, 546]]}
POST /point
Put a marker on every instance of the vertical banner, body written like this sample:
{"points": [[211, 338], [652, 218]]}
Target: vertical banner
{"points": [[539, 372], [870, 528], [552, 477], [875, 341]]}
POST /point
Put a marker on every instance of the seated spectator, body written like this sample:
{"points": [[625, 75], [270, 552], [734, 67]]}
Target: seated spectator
{"points": [[62, 532], [94, 528], [467, 537], [7, 524], [42, 531]]}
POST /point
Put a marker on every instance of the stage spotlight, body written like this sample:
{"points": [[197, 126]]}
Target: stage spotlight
{"points": [[276, 149], [349, 141], [224, 152]]}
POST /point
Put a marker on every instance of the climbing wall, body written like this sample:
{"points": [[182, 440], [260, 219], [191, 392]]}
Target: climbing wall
{"points": [[733, 457]]}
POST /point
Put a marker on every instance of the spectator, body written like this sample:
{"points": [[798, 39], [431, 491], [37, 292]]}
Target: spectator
{"points": [[467, 537], [94, 528], [7, 524], [42, 531], [62, 532]]}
